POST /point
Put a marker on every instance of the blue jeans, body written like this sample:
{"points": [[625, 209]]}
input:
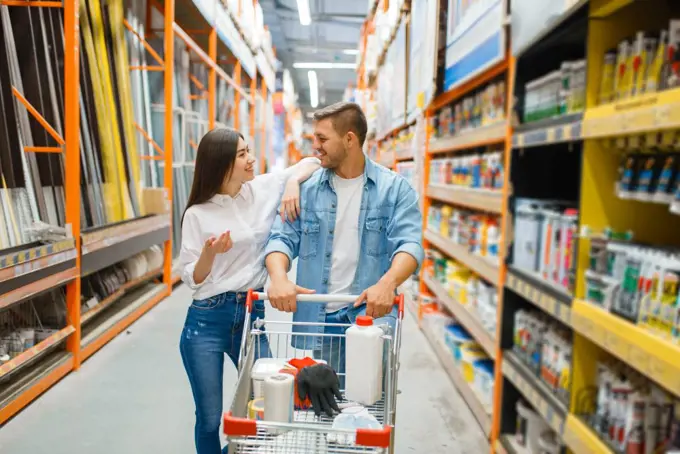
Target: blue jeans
{"points": [[333, 347], [213, 327]]}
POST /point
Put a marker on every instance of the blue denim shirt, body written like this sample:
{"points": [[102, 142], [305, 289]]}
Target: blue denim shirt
{"points": [[390, 221]]}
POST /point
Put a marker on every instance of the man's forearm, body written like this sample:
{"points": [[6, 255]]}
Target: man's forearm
{"points": [[277, 263], [403, 266]]}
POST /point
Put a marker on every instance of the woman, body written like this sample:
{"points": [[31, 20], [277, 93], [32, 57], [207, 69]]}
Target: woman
{"points": [[224, 229]]}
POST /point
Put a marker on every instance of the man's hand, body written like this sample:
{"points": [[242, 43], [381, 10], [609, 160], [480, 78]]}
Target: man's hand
{"points": [[283, 294], [379, 299], [290, 201]]}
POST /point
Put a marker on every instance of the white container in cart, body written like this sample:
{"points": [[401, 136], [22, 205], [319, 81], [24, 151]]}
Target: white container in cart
{"points": [[364, 362], [527, 232]]}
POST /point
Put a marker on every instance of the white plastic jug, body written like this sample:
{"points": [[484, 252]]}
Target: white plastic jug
{"points": [[364, 362]]}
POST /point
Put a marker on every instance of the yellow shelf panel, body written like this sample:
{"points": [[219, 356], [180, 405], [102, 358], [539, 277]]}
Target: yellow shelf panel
{"points": [[479, 265], [606, 8], [480, 199], [465, 317], [479, 137], [651, 355], [534, 391], [645, 113], [555, 301], [581, 439], [481, 413]]}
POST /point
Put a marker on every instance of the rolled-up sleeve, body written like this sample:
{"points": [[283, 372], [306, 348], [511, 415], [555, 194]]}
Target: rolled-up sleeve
{"points": [[405, 229], [192, 246], [284, 238]]}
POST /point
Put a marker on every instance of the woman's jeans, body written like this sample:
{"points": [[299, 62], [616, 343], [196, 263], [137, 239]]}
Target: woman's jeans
{"points": [[213, 327]]}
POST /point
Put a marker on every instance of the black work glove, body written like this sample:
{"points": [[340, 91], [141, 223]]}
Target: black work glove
{"points": [[321, 384]]}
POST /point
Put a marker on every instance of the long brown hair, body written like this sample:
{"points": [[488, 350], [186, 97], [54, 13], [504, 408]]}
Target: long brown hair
{"points": [[214, 161]]}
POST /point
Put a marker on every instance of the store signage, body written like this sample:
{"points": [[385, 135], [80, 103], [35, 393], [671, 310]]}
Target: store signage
{"points": [[475, 39]]}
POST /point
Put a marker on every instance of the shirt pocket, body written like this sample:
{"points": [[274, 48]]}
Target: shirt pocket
{"points": [[309, 244], [376, 236]]}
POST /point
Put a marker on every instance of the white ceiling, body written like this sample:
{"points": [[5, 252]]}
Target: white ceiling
{"points": [[336, 26]]}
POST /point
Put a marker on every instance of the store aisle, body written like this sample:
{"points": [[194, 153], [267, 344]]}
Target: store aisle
{"points": [[133, 397]]}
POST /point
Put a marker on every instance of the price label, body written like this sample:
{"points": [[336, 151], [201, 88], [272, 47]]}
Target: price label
{"points": [[663, 115], [550, 135], [551, 305]]}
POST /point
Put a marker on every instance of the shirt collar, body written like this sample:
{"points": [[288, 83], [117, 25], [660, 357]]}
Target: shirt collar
{"points": [[370, 172], [224, 199]]}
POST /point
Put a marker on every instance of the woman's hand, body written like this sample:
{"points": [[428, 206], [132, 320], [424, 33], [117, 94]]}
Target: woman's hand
{"points": [[220, 245], [290, 202]]}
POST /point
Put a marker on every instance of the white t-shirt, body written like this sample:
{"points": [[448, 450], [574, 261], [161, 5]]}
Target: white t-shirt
{"points": [[345, 257]]}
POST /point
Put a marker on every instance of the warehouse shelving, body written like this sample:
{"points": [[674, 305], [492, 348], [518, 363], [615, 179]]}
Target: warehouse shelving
{"points": [[479, 265], [481, 413], [480, 199], [32, 269], [465, 316], [574, 157]]}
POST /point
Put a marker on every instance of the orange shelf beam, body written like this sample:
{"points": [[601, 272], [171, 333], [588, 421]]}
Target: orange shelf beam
{"points": [[43, 149], [29, 107], [146, 45], [153, 143], [476, 82], [147, 68], [34, 351]]}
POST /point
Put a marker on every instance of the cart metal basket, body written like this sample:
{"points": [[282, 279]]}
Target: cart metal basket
{"points": [[307, 433]]}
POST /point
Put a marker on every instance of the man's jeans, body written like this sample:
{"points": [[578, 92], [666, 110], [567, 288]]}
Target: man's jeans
{"points": [[213, 327], [333, 347]]}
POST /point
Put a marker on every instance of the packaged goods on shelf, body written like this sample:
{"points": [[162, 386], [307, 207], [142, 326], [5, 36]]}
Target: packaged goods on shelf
{"points": [[478, 233], [476, 171], [407, 170], [632, 414], [545, 242], [637, 282], [533, 432], [651, 176], [484, 108], [545, 348], [474, 365], [26, 324], [465, 288], [559, 92], [647, 63]]}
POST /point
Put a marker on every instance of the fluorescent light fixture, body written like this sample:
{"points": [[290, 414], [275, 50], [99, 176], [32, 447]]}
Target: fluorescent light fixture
{"points": [[303, 11], [324, 65], [351, 51], [313, 89]]}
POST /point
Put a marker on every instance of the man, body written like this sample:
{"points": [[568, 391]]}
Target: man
{"points": [[359, 232]]}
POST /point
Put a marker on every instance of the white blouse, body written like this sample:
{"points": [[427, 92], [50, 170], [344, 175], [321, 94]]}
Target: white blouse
{"points": [[249, 217]]}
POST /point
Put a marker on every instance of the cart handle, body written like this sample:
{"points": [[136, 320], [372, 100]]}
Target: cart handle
{"points": [[243, 427], [320, 298]]}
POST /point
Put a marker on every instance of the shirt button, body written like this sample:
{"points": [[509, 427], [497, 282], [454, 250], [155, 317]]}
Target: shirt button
{"points": [[325, 281], [328, 254], [331, 232], [332, 205]]}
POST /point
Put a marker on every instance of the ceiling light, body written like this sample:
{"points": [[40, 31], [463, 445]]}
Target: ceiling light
{"points": [[324, 65], [303, 11], [313, 89], [351, 51]]}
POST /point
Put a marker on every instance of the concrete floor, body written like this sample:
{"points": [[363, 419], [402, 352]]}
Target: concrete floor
{"points": [[133, 397]]}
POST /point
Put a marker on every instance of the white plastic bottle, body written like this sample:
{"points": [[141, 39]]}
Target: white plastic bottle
{"points": [[364, 362]]}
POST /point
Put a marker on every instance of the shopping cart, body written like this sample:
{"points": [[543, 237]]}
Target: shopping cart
{"points": [[308, 433]]}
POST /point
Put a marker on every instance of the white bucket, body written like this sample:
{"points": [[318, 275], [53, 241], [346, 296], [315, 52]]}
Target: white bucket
{"points": [[28, 337], [530, 427]]}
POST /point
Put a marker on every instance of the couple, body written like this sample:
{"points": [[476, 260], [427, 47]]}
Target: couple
{"points": [[355, 226]]}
